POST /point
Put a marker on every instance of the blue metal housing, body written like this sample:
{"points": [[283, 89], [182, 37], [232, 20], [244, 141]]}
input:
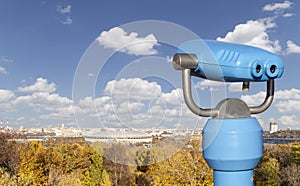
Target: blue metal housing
{"points": [[230, 62], [232, 147]]}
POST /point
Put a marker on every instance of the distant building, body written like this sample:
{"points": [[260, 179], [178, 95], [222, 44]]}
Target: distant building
{"points": [[119, 136], [273, 127]]}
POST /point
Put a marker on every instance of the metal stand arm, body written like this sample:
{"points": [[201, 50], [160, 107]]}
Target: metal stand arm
{"points": [[268, 100], [187, 93]]}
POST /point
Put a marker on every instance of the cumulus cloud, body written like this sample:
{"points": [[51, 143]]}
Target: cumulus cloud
{"points": [[291, 94], [137, 103], [254, 99], [292, 47], [235, 87], [39, 105], [277, 6], [208, 84], [40, 85], [63, 10], [119, 40], [288, 101], [43, 100], [67, 21], [6, 95], [3, 70], [216, 85], [6, 59], [290, 120], [288, 106], [91, 74], [133, 88], [174, 97], [169, 58], [254, 33], [288, 15]]}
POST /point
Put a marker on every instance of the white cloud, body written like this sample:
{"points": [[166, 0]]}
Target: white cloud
{"points": [[91, 74], [254, 99], [43, 100], [119, 40], [130, 107], [288, 15], [216, 85], [254, 33], [169, 58], [208, 84], [288, 106], [292, 47], [288, 100], [175, 97], [291, 120], [137, 103], [132, 88], [235, 87], [6, 60], [3, 70], [67, 21], [277, 6], [63, 10], [6, 95], [292, 94], [40, 85], [285, 100]]}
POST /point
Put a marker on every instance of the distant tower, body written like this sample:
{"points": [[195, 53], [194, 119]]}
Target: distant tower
{"points": [[7, 124], [273, 127], [1, 124]]}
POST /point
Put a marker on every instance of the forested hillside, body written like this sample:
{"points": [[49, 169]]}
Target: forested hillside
{"points": [[75, 162]]}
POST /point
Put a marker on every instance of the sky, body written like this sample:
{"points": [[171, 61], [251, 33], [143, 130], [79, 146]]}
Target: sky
{"points": [[108, 63]]}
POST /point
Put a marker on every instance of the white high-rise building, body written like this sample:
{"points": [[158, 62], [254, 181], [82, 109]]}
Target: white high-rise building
{"points": [[273, 127]]}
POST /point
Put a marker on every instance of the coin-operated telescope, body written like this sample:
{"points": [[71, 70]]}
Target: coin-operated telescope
{"points": [[232, 139]]}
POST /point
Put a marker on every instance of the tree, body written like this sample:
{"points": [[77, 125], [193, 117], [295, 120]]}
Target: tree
{"points": [[34, 163], [267, 172], [9, 154], [296, 154], [105, 179], [187, 167], [290, 175], [117, 166]]}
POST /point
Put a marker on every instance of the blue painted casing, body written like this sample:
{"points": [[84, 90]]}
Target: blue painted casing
{"points": [[230, 62], [238, 178], [232, 147]]}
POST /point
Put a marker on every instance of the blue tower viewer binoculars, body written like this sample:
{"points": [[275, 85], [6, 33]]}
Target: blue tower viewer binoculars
{"points": [[232, 140], [227, 62]]}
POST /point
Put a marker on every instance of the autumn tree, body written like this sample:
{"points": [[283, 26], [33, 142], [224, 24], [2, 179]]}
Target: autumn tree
{"points": [[9, 154], [34, 163], [61, 164], [118, 166], [187, 167], [296, 154], [267, 172]]}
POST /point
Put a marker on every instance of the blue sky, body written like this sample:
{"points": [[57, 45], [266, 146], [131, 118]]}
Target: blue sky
{"points": [[47, 47]]}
